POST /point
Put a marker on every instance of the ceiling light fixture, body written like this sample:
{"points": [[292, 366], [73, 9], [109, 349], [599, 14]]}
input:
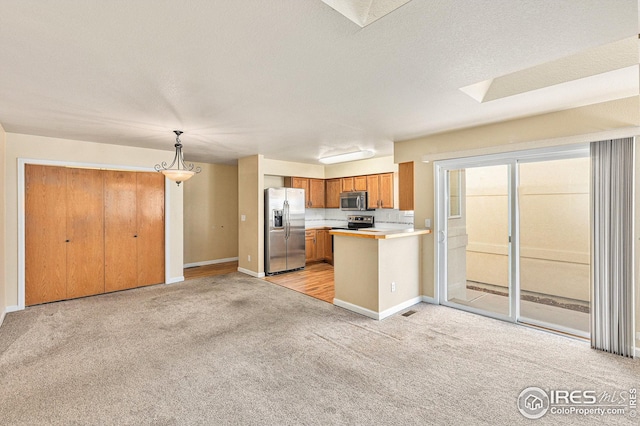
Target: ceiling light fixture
{"points": [[178, 174], [349, 156]]}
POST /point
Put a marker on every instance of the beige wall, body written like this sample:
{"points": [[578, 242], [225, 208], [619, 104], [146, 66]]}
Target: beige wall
{"points": [[82, 154], [3, 225], [353, 168], [211, 214], [554, 226], [613, 119], [362, 167], [288, 168], [251, 205]]}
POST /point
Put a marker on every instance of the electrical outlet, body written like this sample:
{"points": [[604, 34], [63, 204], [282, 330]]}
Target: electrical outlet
{"points": [[393, 287], [248, 258], [427, 223], [243, 217]]}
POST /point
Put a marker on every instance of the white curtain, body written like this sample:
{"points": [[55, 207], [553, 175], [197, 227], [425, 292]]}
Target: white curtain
{"points": [[612, 260]]}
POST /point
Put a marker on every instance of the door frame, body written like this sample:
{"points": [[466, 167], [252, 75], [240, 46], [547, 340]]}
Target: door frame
{"points": [[22, 162], [512, 159]]}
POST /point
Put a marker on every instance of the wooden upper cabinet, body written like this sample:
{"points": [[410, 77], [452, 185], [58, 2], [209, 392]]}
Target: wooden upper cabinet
{"points": [[333, 188], [354, 183], [386, 190], [316, 193], [347, 184], [405, 186], [302, 183], [373, 188], [360, 183], [380, 189], [313, 190]]}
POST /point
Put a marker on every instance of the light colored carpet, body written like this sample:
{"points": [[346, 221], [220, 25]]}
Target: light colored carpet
{"points": [[237, 350]]}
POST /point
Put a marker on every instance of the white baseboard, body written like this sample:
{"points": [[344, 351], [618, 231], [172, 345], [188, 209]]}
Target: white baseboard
{"points": [[357, 309], [14, 308], [429, 299], [2, 315], [210, 262], [395, 309], [175, 280], [252, 273], [376, 315]]}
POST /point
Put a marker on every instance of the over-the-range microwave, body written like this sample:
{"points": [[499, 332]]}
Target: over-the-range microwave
{"points": [[357, 200]]}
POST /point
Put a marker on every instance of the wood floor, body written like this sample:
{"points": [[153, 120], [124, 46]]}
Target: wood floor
{"points": [[316, 280], [210, 270]]}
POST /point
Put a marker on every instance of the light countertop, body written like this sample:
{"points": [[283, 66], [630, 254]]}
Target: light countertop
{"points": [[380, 234]]}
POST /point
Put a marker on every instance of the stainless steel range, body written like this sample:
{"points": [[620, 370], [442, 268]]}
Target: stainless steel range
{"points": [[355, 222]]}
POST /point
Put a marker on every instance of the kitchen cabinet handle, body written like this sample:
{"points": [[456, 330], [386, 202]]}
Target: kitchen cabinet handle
{"points": [[67, 241], [135, 236]]}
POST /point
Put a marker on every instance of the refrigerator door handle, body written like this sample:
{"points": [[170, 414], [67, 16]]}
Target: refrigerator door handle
{"points": [[287, 226]]}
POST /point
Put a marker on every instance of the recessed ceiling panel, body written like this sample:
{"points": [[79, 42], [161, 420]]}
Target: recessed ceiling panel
{"points": [[364, 12]]}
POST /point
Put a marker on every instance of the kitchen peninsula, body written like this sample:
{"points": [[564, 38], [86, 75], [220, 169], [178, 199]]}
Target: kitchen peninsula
{"points": [[377, 272]]}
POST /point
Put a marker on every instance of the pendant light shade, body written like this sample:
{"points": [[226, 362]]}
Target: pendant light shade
{"points": [[182, 171]]}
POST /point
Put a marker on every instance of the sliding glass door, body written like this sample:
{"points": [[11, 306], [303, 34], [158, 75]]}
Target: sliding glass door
{"points": [[553, 206], [513, 237], [478, 239]]}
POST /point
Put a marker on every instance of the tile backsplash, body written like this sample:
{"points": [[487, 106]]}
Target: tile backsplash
{"points": [[390, 218]]}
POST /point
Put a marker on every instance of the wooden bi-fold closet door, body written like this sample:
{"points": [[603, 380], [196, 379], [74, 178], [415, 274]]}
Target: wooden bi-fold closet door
{"points": [[64, 239], [134, 229], [91, 231], [120, 230], [150, 220]]}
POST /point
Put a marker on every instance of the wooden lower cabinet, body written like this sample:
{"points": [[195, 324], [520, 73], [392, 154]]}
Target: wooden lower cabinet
{"points": [[310, 245], [82, 231], [318, 245], [327, 248]]}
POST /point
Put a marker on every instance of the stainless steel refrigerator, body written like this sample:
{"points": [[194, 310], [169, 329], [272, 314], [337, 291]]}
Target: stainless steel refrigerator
{"points": [[284, 244]]}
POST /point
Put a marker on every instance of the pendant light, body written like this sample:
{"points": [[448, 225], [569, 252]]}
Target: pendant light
{"points": [[178, 174]]}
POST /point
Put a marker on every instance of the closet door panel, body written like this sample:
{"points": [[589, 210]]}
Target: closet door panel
{"points": [[45, 234], [120, 230], [85, 232], [150, 220]]}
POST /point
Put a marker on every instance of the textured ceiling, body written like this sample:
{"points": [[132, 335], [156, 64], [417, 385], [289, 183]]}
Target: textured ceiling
{"points": [[289, 79]]}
